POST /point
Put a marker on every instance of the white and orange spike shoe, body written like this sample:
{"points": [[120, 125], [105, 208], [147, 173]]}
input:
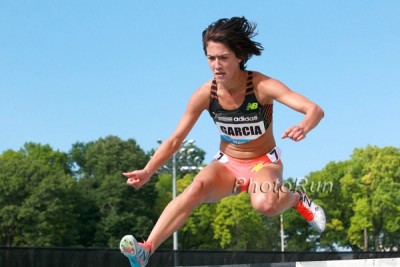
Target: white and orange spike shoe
{"points": [[313, 213]]}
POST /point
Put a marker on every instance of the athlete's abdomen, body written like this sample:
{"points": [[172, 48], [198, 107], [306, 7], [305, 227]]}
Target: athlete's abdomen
{"points": [[252, 149]]}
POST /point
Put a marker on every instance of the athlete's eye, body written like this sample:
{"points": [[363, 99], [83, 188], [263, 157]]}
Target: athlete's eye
{"points": [[222, 58]]}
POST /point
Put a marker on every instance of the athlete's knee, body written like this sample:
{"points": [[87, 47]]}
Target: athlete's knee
{"points": [[196, 191], [264, 206]]}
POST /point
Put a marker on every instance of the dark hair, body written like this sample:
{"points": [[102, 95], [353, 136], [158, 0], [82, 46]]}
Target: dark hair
{"points": [[236, 33]]}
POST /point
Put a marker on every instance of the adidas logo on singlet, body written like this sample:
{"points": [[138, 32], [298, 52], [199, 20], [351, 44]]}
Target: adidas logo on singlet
{"points": [[243, 118]]}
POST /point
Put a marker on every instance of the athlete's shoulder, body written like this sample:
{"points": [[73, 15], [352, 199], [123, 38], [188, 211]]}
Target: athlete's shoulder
{"points": [[207, 85], [263, 82], [201, 96], [262, 79], [267, 88], [204, 89]]}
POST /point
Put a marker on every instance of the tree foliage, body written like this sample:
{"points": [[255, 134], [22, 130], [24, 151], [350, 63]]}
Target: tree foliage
{"points": [[37, 198], [237, 226], [80, 198], [363, 206], [119, 209]]}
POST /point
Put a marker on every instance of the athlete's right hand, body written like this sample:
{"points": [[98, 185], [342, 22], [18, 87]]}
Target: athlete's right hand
{"points": [[137, 178]]}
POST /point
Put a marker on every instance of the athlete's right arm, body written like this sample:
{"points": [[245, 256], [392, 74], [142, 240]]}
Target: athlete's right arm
{"points": [[198, 102]]}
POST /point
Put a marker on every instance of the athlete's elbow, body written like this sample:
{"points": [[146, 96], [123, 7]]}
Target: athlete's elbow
{"points": [[315, 111], [320, 112]]}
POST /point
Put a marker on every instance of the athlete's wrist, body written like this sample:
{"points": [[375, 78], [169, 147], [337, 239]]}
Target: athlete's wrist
{"points": [[148, 171]]}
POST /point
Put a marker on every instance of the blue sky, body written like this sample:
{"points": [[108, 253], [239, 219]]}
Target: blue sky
{"points": [[81, 70]]}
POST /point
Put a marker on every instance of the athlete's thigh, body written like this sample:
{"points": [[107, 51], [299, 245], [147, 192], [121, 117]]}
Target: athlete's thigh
{"points": [[218, 181], [267, 181]]}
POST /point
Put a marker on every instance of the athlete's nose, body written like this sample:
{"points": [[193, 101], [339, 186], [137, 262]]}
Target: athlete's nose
{"points": [[218, 65]]}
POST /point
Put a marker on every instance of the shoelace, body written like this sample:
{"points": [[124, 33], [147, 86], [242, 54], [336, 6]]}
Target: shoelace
{"points": [[144, 253]]}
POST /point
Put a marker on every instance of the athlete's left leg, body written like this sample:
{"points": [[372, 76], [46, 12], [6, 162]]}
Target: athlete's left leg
{"points": [[270, 197], [267, 193]]}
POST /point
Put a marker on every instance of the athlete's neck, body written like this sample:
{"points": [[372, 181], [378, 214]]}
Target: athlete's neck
{"points": [[236, 84]]}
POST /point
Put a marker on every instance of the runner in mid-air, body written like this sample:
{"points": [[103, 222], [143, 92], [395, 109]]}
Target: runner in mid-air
{"points": [[241, 103]]}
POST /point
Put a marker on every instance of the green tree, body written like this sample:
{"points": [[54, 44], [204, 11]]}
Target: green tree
{"points": [[164, 189], [238, 226], [120, 209], [376, 200], [330, 189], [363, 206], [37, 198]]}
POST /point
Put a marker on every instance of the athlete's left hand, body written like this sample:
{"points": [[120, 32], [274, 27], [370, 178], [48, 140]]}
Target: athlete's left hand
{"points": [[296, 133]]}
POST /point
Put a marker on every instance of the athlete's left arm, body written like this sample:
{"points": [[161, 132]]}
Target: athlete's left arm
{"points": [[281, 93]]}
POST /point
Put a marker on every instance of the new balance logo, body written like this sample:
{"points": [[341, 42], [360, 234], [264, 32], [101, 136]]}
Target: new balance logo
{"points": [[252, 106], [306, 200]]}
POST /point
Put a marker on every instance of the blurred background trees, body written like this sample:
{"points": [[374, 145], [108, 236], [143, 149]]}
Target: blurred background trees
{"points": [[80, 198]]}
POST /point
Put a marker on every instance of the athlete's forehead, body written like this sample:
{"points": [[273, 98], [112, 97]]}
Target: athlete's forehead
{"points": [[218, 49]]}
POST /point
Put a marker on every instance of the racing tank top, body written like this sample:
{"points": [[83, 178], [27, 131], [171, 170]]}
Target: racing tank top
{"points": [[244, 124]]}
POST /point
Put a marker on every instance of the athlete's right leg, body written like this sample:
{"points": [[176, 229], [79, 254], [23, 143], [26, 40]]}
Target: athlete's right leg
{"points": [[211, 184]]}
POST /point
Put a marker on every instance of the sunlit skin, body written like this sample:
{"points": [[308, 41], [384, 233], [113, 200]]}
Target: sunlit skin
{"points": [[215, 181]]}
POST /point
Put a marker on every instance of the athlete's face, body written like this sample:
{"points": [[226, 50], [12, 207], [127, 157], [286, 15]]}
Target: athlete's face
{"points": [[222, 61]]}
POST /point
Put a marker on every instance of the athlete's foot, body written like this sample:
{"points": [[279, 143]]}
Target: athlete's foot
{"points": [[137, 253], [313, 213]]}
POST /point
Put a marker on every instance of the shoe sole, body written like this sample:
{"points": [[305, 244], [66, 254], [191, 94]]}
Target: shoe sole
{"points": [[128, 247]]}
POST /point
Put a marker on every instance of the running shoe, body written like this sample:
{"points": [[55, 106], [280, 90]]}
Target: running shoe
{"points": [[313, 213], [137, 253]]}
